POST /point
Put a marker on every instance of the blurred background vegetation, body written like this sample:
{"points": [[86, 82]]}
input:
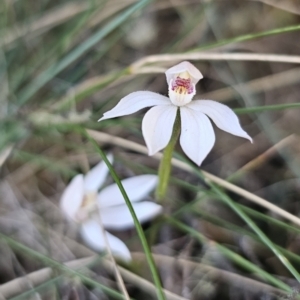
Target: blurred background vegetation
{"points": [[64, 63]]}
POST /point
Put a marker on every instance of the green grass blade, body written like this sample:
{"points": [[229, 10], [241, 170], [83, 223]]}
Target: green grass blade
{"points": [[38, 289], [256, 229], [237, 229], [267, 218], [59, 266], [255, 109], [248, 221], [139, 229], [233, 256], [52, 71], [250, 36]]}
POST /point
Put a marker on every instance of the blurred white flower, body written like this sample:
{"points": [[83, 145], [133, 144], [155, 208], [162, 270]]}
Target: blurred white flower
{"points": [[81, 203], [197, 135], [79, 198]]}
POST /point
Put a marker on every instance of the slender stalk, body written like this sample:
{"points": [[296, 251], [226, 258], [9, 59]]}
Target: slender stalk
{"points": [[139, 229], [112, 259], [165, 163]]}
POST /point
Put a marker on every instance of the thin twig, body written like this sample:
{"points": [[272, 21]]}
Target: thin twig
{"points": [[106, 138], [263, 84], [112, 259], [260, 159], [171, 58], [266, 83]]}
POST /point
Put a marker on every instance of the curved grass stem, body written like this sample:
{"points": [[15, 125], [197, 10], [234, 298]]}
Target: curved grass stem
{"points": [[139, 229]]}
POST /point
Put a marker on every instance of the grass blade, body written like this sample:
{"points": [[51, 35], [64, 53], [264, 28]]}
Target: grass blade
{"points": [[160, 293], [52, 71], [57, 265], [233, 256], [246, 110]]}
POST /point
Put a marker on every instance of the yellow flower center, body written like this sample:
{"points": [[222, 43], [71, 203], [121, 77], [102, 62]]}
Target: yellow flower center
{"points": [[89, 199]]}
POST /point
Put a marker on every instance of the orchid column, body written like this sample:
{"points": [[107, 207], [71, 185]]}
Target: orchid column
{"points": [[178, 116]]}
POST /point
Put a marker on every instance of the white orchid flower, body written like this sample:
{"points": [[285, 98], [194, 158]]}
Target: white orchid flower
{"points": [[81, 203], [197, 135], [79, 197]]}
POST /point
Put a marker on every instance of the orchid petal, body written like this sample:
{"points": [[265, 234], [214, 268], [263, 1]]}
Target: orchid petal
{"points": [[184, 66], [92, 234], [95, 178], [72, 197], [197, 135], [222, 115], [157, 127], [137, 188], [119, 217], [134, 102]]}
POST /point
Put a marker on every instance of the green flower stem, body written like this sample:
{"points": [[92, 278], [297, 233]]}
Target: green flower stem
{"points": [[165, 163], [139, 229]]}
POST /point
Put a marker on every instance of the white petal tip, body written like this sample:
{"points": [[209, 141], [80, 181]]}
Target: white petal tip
{"points": [[124, 256], [198, 162], [92, 234], [248, 137], [151, 153]]}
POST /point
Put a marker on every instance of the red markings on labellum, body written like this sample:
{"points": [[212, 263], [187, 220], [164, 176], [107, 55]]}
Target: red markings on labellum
{"points": [[182, 86]]}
